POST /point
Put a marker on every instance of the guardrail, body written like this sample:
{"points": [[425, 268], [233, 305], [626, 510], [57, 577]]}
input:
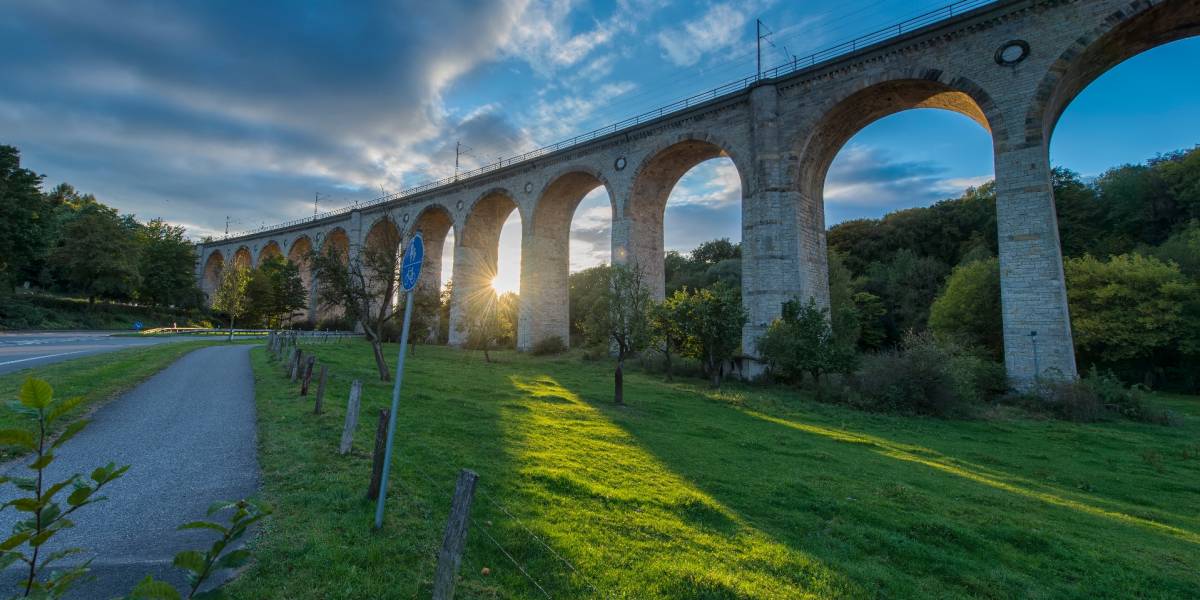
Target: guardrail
{"points": [[796, 64], [244, 332]]}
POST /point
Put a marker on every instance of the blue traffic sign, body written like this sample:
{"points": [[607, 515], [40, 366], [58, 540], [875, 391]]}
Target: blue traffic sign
{"points": [[410, 265]]}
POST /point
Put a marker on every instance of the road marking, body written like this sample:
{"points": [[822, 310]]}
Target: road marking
{"points": [[21, 360]]}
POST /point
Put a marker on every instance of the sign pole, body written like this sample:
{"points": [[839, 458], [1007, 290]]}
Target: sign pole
{"points": [[409, 272]]}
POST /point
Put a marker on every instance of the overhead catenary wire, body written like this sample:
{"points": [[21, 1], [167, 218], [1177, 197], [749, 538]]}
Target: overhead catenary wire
{"points": [[811, 60]]}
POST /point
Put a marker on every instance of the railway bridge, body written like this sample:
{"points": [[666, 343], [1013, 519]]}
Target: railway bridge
{"points": [[1012, 66]]}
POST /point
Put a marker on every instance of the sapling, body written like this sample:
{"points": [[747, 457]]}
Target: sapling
{"points": [[47, 517], [202, 565]]}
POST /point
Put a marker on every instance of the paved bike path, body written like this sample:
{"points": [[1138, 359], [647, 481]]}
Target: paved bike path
{"points": [[189, 435]]}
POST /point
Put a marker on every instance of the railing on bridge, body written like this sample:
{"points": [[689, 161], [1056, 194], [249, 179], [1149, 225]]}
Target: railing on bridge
{"points": [[798, 63]]}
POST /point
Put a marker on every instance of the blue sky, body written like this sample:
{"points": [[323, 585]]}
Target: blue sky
{"points": [[199, 110]]}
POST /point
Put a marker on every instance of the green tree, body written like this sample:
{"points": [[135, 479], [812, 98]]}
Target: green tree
{"points": [[969, 307], [622, 316], [907, 284], [276, 291], [25, 218], [167, 263], [714, 320], [586, 292], [1127, 309], [715, 251], [667, 321], [802, 342], [230, 295], [98, 256], [483, 321], [423, 325]]}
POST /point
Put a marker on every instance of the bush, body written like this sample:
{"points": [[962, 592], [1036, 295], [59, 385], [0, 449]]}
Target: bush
{"points": [[927, 377], [338, 324], [1099, 396], [549, 346]]}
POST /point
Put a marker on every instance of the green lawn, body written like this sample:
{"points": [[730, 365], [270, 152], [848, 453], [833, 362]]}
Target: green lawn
{"points": [[98, 377], [689, 493]]}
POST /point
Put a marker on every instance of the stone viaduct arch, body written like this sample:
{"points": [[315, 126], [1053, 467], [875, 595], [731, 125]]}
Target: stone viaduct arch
{"points": [[652, 184], [210, 277], [545, 254], [269, 250], [476, 253], [1011, 65], [298, 254]]}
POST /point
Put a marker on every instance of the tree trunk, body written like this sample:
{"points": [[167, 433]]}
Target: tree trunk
{"points": [[231, 327], [619, 383], [380, 361], [667, 357], [486, 358]]}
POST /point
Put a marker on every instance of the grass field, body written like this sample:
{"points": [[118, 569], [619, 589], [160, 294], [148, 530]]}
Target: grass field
{"points": [[99, 377], [750, 492]]}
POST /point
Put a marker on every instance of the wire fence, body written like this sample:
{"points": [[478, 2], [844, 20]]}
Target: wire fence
{"points": [[795, 65]]}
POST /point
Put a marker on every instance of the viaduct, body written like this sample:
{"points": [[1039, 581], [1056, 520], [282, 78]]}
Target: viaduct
{"points": [[1012, 66]]}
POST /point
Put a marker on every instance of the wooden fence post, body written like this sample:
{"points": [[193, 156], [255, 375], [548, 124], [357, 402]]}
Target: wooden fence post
{"points": [[287, 367], [321, 389], [296, 365], [380, 447], [455, 538], [308, 369], [351, 417]]}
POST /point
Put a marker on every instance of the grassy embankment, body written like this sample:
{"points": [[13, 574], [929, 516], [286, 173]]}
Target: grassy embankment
{"points": [[98, 378], [46, 311], [691, 493]]}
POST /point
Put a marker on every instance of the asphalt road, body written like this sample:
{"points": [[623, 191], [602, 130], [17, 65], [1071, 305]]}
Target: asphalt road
{"points": [[23, 350], [189, 435]]}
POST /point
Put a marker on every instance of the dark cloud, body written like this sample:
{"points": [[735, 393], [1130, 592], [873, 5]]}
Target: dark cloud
{"points": [[235, 104]]}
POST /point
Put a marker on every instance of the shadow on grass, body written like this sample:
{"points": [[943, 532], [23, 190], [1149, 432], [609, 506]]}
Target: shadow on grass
{"points": [[901, 519]]}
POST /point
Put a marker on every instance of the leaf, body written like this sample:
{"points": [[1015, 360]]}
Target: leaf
{"points": [[41, 462], [27, 484], [63, 408], [232, 560], [79, 496], [204, 525], [14, 540], [17, 437], [24, 504], [70, 432], [191, 560], [35, 393], [152, 589]]}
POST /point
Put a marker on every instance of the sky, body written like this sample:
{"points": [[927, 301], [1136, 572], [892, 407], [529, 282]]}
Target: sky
{"points": [[198, 111]]}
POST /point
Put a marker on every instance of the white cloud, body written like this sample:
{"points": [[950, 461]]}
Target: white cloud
{"points": [[717, 29]]}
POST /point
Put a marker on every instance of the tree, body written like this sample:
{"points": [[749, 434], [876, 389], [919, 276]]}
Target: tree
{"points": [[277, 291], [715, 251], [1129, 309], [587, 290], [363, 287], [667, 319], [714, 320], [98, 256], [230, 295], [801, 341], [423, 325], [907, 284], [166, 263], [623, 318], [25, 217], [483, 322], [969, 307]]}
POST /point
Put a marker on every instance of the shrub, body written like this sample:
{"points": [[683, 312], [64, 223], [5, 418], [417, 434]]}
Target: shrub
{"points": [[1098, 396], [926, 376], [549, 346]]}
